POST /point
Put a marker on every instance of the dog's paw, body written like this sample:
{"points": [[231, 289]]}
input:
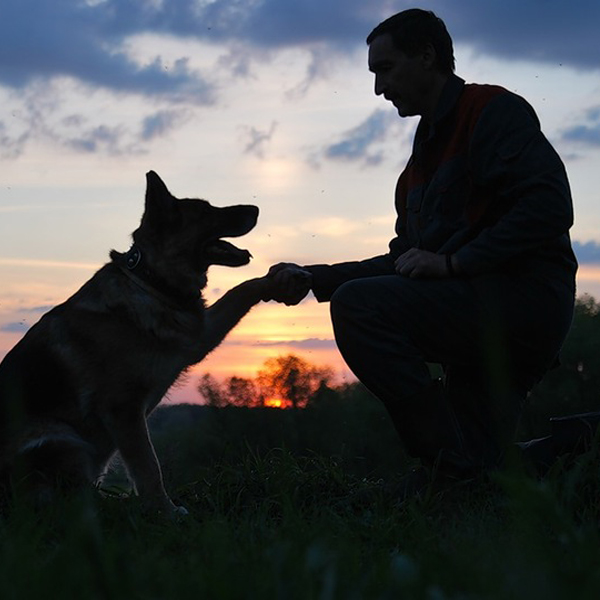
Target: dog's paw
{"points": [[179, 512]]}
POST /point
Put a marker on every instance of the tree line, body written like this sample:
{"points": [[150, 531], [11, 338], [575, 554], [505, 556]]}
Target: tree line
{"points": [[292, 382], [283, 382]]}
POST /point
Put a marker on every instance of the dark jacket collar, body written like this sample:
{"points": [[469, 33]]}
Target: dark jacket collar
{"points": [[451, 92]]}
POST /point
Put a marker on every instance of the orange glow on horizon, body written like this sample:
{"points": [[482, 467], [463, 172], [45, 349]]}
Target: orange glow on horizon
{"points": [[276, 403]]}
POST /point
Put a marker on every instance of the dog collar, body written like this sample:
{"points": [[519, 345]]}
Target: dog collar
{"points": [[133, 257], [145, 278]]}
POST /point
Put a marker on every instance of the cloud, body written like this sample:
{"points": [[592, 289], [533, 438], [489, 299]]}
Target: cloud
{"points": [[257, 139], [39, 116], [586, 133], [308, 344], [38, 309], [263, 23], [162, 122], [89, 44], [41, 41], [357, 143], [587, 252], [12, 146], [520, 29], [87, 40], [15, 327], [550, 32], [365, 143], [100, 139]]}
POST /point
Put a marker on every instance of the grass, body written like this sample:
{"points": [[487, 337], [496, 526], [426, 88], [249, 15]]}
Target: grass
{"points": [[282, 526]]}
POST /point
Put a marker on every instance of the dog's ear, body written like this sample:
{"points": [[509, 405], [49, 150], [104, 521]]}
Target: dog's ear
{"points": [[159, 201], [155, 187]]}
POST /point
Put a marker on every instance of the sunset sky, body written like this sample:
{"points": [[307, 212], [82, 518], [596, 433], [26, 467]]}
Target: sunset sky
{"points": [[250, 101]]}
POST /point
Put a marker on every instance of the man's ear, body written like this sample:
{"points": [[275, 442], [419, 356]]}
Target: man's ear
{"points": [[428, 57]]}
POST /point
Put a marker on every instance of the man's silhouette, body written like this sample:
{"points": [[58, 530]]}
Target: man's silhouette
{"points": [[480, 276]]}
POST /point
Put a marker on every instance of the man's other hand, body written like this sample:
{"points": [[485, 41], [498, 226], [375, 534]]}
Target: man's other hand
{"points": [[420, 264]]}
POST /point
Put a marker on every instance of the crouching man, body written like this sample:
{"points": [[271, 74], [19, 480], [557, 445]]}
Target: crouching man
{"points": [[480, 275]]}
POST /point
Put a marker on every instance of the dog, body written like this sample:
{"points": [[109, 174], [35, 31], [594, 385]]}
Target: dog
{"points": [[81, 383]]}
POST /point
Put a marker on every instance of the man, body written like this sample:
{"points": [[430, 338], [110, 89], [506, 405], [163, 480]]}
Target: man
{"points": [[480, 276]]}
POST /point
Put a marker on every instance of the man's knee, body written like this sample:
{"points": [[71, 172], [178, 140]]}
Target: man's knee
{"points": [[347, 302]]}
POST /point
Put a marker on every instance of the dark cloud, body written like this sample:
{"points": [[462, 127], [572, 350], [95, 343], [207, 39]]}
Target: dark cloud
{"points": [[86, 41], [357, 144], [38, 309], [552, 31], [40, 40], [15, 327], [365, 144], [519, 29], [587, 252], [102, 139], [586, 132], [121, 139], [161, 123], [262, 23], [308, 344]]}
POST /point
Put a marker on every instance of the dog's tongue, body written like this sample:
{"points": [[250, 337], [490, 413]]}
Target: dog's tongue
{"points": [[223, 253]]}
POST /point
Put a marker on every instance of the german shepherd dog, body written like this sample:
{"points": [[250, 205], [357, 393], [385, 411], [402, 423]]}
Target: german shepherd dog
{"points": [[80, 384]]}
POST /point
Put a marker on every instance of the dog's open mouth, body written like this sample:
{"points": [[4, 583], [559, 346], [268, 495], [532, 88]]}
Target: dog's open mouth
{"points": [[224, 253], [232, 221]]}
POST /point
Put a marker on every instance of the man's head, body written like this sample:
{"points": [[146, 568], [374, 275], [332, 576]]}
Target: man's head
{"points": [[411, 56], [413, 30]]}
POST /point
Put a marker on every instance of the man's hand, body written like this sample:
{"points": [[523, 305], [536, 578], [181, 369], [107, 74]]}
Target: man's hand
{"points": [[289, 283], [417, 264]]}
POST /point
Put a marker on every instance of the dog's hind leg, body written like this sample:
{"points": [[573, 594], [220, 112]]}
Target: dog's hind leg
{"points": [[50, 461]]}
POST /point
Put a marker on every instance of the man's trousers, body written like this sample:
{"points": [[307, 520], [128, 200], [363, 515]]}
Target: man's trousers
{"points": [[495, 336]]}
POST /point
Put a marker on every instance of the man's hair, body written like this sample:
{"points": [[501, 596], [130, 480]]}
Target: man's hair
{"points": [[413, 29]]}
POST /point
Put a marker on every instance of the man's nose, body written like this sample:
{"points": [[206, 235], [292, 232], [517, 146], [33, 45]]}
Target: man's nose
{"points": [[379, 86]]}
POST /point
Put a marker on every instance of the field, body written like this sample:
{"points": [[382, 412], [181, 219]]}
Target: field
{"points": [[296, 504]]}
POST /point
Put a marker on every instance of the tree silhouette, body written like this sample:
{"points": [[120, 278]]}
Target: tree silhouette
{"points": [[292, 379], [210, 389], [242, 392], [235, 391], [283, 381]]}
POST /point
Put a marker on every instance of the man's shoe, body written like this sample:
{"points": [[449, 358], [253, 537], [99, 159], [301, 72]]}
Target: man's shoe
{"points": [[570, 435]]}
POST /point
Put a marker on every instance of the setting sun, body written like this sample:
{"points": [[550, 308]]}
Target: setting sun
{"points": [[276, 403]]}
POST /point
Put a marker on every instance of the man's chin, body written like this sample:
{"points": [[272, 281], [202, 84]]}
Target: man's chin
{"points": [[405, 111], [401, 108]]}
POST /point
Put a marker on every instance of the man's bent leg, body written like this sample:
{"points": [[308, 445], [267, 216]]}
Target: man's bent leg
{"points": [[387, 328]]}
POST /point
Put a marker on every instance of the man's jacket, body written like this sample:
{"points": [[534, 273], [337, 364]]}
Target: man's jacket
{"points": [[482, 183]]}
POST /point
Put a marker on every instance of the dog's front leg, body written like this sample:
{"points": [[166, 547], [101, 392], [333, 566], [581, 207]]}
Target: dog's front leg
{"points": [[136, 449], [225, 314]]}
